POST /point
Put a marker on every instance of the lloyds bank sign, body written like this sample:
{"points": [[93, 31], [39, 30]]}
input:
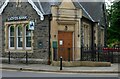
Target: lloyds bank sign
{"points": [[16, 18]]}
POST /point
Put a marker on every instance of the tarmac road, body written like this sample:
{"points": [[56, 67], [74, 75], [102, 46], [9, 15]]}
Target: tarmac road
{"points": [[15, 73]]}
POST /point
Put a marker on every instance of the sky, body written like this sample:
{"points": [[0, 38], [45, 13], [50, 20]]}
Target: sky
{"points": [[109, 1]]}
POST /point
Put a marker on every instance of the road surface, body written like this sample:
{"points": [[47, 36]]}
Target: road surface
{"points": [[15, 73]]}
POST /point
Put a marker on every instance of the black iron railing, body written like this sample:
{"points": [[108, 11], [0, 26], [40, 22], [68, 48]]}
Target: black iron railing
{"points": [[99, 54], [18, 58]]}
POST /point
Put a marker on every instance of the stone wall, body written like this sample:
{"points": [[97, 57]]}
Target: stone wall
{"points": [[40, 34], [0, 35]]}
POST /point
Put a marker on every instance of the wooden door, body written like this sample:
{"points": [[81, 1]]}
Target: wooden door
{"points": [[65, 45]]}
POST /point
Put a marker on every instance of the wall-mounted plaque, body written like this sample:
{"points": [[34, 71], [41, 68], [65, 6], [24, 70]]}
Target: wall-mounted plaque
{"points": [[54, 44], [61, 42]]}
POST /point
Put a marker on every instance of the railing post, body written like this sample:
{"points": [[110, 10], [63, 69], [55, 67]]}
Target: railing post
{"points": [[68, 54], [9, 57], [92, 54], [81, 53], [55, 53], [26, 58], [108, 56], [112, 57], [118, 56], [98, 52], [95, 51], [61, 63]]}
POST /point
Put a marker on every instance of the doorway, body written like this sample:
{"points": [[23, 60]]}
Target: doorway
{"points": [[65, 45]]}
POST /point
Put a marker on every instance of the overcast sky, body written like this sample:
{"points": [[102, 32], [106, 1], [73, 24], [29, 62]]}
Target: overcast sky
{"points": [[109, 1]]}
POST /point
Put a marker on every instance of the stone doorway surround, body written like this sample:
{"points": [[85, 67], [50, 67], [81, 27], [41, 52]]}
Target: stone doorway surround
{"points": [[66, 18]]}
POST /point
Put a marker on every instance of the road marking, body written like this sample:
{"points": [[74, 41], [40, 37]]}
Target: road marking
{"points": [[47, 72], [38, 72], [8, 70]]}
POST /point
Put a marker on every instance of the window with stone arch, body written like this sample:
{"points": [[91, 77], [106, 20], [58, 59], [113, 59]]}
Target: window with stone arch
{"points": [[28, 38], [86, 35], [18, 36], [11, 37]]}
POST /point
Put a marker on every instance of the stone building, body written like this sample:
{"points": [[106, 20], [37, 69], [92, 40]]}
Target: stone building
{"points": [[75, 25], [48, 30], [19, 37], [0, 34]]}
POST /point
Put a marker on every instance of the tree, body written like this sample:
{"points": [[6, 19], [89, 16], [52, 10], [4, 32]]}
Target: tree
{"points": [[114, 23]]}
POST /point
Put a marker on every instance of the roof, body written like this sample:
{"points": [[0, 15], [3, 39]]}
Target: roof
{"points": [[91, 10], [85, 13], [95, 9], [45, 7], [1, 3], [5, 3]]}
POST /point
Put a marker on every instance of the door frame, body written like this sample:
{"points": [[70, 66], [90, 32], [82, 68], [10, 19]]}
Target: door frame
{"points": [[73, 42]]}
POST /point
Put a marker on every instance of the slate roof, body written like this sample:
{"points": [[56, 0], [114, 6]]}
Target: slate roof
{"points": [[95, 9], [46, 6], [78, 5], [1, 3], [91, 10]]}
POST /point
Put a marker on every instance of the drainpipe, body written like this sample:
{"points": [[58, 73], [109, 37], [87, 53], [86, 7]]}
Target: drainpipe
{"points": [[81, 32], [92, 41], [49, 52]]}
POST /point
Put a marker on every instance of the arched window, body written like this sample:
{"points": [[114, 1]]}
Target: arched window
{"points": [[11, 37], [86, 35], [19, 37], [27, 37]]}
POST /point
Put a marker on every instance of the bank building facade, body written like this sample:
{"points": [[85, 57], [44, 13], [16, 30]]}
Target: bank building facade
{"points": [[49, 30]]}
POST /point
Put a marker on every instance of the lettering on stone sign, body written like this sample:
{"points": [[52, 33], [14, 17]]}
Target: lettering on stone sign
{"points": [[17, 18]]}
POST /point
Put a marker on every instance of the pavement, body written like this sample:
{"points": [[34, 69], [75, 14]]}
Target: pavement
{"points": [[114, 68]]}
